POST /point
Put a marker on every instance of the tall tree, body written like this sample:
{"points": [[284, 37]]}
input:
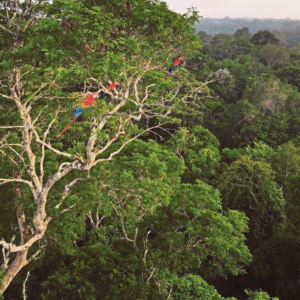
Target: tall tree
{"points": [[37, 90], [264, 37], [243, 32], [249, 185], [273, 54]]}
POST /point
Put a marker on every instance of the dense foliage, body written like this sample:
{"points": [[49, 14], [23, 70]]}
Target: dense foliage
{"points": [[255, 118], [203, 206]]}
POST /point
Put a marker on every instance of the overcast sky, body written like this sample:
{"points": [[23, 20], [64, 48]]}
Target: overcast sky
{"points": [[240, 8]]}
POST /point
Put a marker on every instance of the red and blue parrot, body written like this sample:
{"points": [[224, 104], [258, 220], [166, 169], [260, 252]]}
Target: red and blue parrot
{"points": [[110, 87], [176, 62], [85, 105]]}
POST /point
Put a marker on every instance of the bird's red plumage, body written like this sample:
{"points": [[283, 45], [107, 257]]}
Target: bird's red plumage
{"points": [[177, 61], [112, 86], [89, 100]]}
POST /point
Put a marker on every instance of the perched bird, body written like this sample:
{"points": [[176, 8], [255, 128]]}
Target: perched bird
{"points": [[110, 87], [176, 62], [85, 105]]}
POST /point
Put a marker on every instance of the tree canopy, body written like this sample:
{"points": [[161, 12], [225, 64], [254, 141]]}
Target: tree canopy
{"points": [[172, 185]]}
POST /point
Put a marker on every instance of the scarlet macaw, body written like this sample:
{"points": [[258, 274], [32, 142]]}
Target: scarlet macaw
{"points": [[110, 87], [176, 62], [85, 105]]}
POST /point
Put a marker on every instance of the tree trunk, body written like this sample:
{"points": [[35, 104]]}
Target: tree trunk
{"points": [[20, 259], [19, 262]]}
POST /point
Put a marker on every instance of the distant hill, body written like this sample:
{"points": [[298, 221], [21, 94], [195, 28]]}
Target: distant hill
{"points": [[290, 28]]}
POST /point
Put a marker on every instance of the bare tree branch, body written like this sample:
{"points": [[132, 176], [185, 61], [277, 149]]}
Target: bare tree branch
{"points": [[29, 183], [7, 30], [5, 255], [67, 191], [69, 208], [24, 286], [10, 127], [122, 225]]}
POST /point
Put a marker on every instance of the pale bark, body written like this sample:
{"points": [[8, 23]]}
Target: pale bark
{"points": [[18, 264]]}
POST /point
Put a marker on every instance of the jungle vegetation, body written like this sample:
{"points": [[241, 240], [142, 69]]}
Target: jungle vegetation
{"points": [[177, 187]]}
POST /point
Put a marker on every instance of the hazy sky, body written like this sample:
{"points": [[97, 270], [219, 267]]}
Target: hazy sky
{"points": [[240, 8]]}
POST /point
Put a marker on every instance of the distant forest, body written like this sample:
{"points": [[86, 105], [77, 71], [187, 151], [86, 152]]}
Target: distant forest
{"points": [[288, 31]]}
